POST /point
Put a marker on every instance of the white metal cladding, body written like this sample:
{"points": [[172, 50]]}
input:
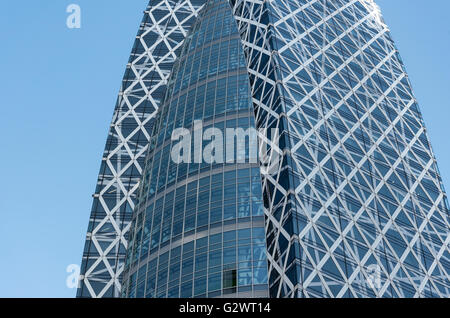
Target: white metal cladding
{"points": [[358, 187], [159, 40]]}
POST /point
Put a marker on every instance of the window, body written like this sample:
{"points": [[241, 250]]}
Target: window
{"points": [[229, 278]]}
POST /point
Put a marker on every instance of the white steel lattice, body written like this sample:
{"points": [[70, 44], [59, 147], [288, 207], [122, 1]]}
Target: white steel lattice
{"points": [[159, 40], [359, 185]]}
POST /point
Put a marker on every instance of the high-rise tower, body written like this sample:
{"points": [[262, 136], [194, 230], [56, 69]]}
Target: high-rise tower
{"points": [[356, 206]]}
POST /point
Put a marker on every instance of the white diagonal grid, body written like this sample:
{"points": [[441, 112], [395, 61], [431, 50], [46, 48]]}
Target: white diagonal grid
{"points": [[160, 37], [363, 187]]}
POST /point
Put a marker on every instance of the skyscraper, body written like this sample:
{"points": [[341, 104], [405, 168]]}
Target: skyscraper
{"points": [[355, 207]]}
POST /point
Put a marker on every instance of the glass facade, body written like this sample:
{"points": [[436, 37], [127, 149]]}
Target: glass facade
{"points": [[199, 228], [356, 206]]}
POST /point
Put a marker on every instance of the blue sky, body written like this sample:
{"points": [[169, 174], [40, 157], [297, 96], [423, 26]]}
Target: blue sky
{"points": [[58, 89]]}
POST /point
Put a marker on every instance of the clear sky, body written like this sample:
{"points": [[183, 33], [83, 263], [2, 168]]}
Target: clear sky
{"points": [[58, 90]]}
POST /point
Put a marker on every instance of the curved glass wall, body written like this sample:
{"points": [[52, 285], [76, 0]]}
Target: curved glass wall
{"points": [[198, 230]]}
